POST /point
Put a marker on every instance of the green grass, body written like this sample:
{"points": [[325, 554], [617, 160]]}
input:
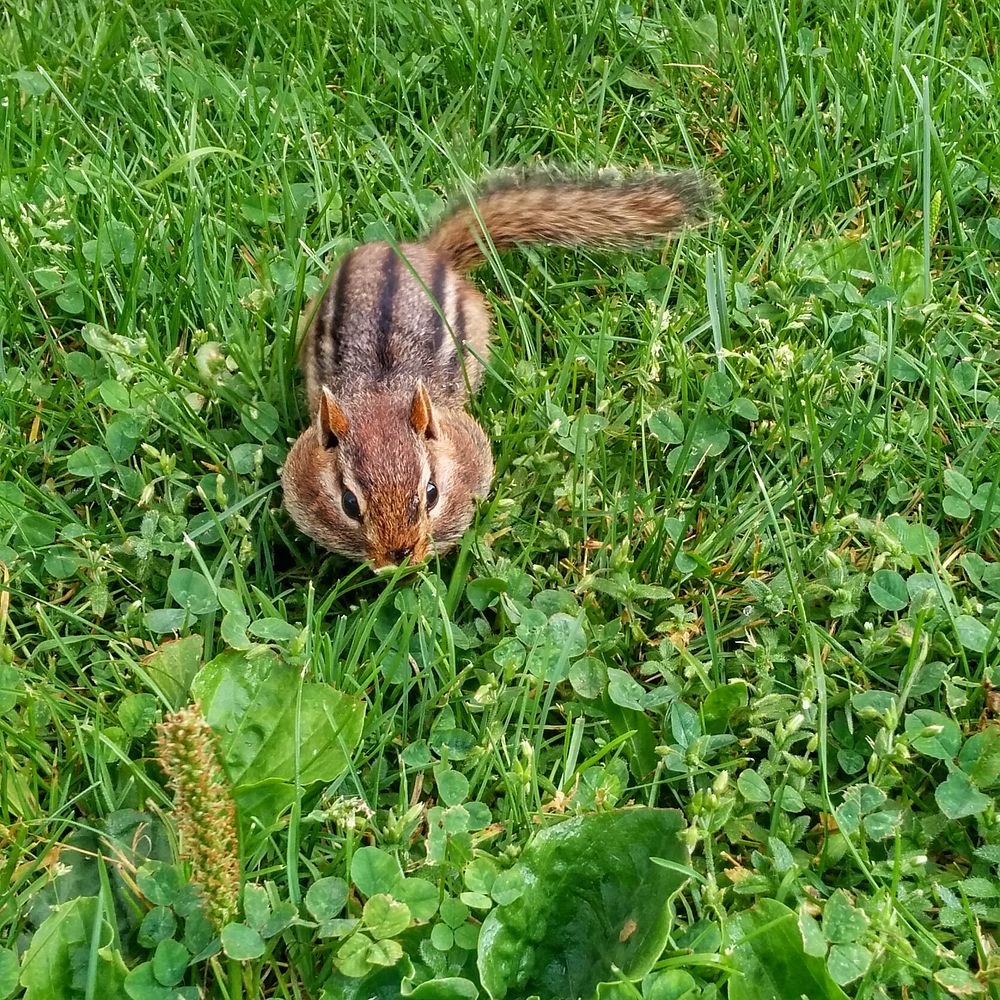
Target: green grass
{"points": [[741, 558]]}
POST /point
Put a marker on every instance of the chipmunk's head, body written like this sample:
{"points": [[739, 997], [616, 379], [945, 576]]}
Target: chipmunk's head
{"points": [[386, 478]]}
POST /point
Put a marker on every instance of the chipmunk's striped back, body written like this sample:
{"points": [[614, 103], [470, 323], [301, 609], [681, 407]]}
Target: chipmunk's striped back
{"points": [[395, 315]]}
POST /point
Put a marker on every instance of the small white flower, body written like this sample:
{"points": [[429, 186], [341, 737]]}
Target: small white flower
{"points": [[784, 357], [7, 233]]}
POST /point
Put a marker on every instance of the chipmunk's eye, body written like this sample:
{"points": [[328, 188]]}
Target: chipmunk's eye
{"points": [[432, 495], [350, 504]]}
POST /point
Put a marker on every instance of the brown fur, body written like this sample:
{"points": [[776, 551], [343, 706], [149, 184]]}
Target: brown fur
{"points": [[398, 342]]}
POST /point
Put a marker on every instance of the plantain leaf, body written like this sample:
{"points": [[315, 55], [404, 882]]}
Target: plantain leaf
{"points": [[57, 964], [773, 965], [594, 902], [251, 702]]}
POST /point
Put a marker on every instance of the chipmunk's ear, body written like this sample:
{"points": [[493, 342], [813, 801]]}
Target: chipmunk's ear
{"points": [[422, 413], [331, 421]]}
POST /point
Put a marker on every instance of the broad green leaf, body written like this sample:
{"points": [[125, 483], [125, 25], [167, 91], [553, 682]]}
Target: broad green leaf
{"points": [[454, 912], [416, 755], [56, 961], [37, 531], [256, 908], [122, 436], [718, 388], [667, 427], [722, 703], [11, 687], [753, 787], [987, 498], [8, 972], [848, 962], [283, 915], [957, 796], [241, 942], [813, 941], [137, 713], [244, 458], [957, 483], [444, 989], [625, 690], [261, 420], [274, 630], [115, 395], [169, 962], [477, 900], [552, 647], [978, 887], [193, 591], [31, 82], [384, 917], [509, 885], [173, 666], [326, 898], [442, 937], [790, 799], [888, 590], [386, 952], [980, 758], [588, 677], [200, 937], [251, 702], [972, 633], [771, 962], [374, 870], [234, 630], [115, 240], [163, 620], [161, 883], [485, 592], [60, 563], [918, 539], [480, 874], [927, 591], [594, 901], [709, 438], [674, 984], [956, 507], [352, 956], [89, 462], [70, 299], [959, 982], [142, 984], [420, 896], [685, 725], [452, 785], [874, 704], [933, 734], [842, 922], [745, 408]]}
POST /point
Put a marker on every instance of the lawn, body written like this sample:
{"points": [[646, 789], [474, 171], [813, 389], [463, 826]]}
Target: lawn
{"points": [[739, 571]]}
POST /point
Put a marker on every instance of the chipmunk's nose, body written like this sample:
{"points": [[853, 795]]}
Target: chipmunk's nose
{"points": [[398, 555]]}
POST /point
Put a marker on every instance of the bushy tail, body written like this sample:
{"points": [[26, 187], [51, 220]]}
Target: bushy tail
{"points": [[595, 211]]}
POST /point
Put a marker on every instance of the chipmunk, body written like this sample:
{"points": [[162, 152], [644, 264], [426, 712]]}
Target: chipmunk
{"points": [[392, 464]]}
